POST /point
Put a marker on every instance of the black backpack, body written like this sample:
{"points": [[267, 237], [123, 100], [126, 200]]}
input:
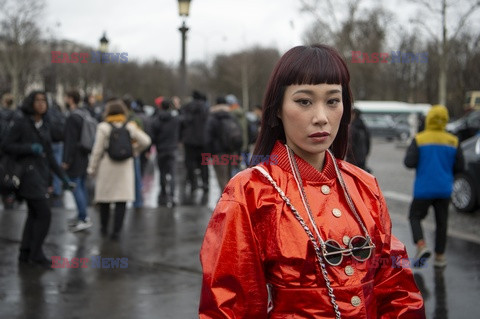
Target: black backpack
{"points": [[230, 133], [120, 143]]}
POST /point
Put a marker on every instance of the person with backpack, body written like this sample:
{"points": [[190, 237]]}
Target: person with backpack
{"points": [[166, 135], [117, 141], [223, 136], [75, 160]]}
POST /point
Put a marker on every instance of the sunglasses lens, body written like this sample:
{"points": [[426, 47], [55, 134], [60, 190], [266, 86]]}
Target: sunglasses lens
{"points": [[361, 249], [334, 252]]}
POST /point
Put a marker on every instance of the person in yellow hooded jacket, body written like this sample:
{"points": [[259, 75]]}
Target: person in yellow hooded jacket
{"points": [[436, 155]]}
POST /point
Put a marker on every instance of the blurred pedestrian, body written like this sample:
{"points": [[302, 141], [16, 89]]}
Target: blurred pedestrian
{"points": [[194, 117], [6, 115], [147, 121], [90, 104], [115, 180], [306, 234], [240, 114], [216, 153], [358, 141], [56, 119], [29, 140], [166, 136], [75, 160], [436, 155], [134, 117]]}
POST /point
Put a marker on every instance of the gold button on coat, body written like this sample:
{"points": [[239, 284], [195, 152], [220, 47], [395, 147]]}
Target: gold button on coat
{"points": [[336, 212], [325, 189], [356, 301], [349, 270]]}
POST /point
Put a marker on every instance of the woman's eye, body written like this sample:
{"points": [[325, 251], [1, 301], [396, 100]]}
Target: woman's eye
{"points": [[333, 101], [303, 102]]}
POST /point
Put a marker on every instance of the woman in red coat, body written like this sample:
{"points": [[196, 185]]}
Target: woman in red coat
{"points": [[304, 234]]}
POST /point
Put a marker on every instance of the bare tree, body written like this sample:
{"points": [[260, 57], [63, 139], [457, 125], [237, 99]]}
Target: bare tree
{"points": [[19, 38], [244, 74], [439, 10]]}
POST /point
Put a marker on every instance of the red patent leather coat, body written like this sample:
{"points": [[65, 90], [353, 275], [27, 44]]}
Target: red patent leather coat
{"points": [[253, 239]]}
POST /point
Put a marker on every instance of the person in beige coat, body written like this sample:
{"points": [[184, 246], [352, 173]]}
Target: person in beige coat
{"points": [[115, 181]]}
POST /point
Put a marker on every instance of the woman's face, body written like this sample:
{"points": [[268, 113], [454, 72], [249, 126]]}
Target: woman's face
{"points": [[40, 104], [311, 117]]}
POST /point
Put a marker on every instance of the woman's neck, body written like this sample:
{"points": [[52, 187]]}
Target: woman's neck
{"points": [[316, 160]]}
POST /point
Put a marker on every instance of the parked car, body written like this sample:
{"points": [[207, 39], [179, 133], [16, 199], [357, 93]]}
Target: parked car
{"points": [[383, 125], [466, 188], [466, 126]]}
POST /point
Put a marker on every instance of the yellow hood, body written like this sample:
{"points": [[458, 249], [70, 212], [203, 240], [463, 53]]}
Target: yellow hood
{"points": [[437, 118]]}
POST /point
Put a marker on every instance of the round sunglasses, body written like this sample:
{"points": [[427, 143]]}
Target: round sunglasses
{"points": [[359, 248]]}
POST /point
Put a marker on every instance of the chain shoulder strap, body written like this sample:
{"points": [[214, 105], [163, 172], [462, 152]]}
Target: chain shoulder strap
{"points": [[310, 235]]}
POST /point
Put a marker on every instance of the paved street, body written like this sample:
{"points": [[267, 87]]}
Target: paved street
{"points": [[163, 276]]}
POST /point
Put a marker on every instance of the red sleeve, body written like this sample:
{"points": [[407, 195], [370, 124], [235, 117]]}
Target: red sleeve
{"points": [[234, 284], [395, 290]]}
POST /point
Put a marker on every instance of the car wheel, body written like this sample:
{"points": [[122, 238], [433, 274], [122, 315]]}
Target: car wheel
{"points": [[464, 193]]}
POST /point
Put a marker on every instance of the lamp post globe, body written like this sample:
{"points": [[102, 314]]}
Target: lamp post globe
{"points": [[184, 7], [104, 43]]}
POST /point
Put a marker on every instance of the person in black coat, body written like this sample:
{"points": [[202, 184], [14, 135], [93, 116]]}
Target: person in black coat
{"points": [[358, 141], [165, 136], [29, 141], [194, 118], [213, 142]]}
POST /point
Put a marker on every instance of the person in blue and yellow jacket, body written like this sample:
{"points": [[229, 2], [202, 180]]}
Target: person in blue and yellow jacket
{"points": [[436, 155]]}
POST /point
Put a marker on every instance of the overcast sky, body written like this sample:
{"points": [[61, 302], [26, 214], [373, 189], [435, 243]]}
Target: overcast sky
{"points": [[149, 28]]}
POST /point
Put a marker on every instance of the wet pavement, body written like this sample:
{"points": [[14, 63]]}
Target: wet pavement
{"points": [[162, 276]]}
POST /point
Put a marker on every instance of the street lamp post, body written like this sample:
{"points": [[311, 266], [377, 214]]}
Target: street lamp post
{"points": [[183, 11], [103, 49]]}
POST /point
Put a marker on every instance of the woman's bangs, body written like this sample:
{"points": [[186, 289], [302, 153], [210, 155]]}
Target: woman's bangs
{"points": [[317, 67]]}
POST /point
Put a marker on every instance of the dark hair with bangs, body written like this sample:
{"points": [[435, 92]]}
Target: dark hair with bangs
{"points": [[314, 64]]}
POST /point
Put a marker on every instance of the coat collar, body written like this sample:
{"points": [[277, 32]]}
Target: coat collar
{"points": [[307, 171]]}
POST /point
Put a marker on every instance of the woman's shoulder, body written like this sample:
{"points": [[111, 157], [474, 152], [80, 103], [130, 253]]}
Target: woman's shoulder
{"points": [[242, 178], [103, 126], [359, 175], [254, 180]]}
